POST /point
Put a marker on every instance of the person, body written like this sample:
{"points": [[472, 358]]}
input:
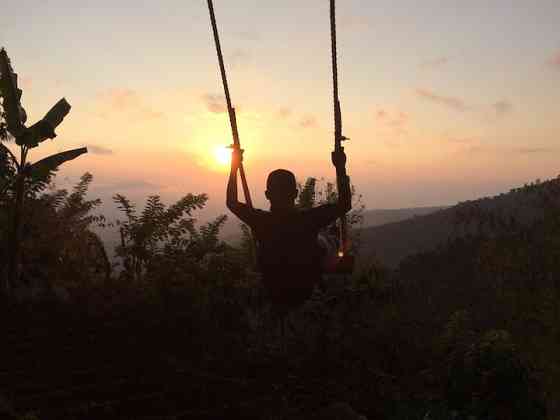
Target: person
{"points": [[288, 253]]}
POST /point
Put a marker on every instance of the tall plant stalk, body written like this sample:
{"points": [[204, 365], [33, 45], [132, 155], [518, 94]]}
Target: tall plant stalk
{"points": [[14, 259]]}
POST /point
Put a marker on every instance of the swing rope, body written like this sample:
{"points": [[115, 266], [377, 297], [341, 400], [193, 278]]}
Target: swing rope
{"points": [[231, 109], [334, 59], [338, 136]]}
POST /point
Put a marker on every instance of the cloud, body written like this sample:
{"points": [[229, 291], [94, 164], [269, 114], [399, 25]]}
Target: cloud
{"points": [[532, 150], [215, 103], [127, 185], [502, 108], [284, 112], [120, 100], [392, 118], [476, 149], [395, 119], [461, 140], [98, 150], [239, 58], [398, 120], [554, 61], [435, 63], [353, 21], [488, 113], [489, 149], [248, 35], [308, 122], [450, 102]]}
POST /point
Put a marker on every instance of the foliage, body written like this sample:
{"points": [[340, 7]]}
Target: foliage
{"points": [[59, 247], [164, 241], [3, 127], [157, 229], [3, 132], [468, 330]]}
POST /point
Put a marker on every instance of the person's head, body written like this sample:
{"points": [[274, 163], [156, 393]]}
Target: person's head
{"points": [[281, 189]]}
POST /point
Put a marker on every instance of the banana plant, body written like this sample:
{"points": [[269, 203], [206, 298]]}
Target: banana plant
{"points": [[26, 138]]}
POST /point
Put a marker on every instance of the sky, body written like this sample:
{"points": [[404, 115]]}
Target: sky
{"points": [[444, 101]]}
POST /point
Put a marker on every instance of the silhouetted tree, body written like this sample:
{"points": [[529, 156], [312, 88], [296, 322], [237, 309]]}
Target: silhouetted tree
{"points": [[26, 138]]}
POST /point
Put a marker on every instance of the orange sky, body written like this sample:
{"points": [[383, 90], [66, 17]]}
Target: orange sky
{"points": [[442, 103]]}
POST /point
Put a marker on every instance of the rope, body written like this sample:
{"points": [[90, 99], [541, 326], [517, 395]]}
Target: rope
{"points": [[338, 137], [231, 109], [219, 51], [334, 60]]}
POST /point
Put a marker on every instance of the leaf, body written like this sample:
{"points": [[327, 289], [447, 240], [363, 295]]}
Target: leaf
{"points": [[4, 185], [50, 163], [7, 168], [14, 113], [44, 129], [306, 198]]}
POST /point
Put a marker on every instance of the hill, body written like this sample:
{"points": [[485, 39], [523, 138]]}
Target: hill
{"points": [[377, 217], [390, 243]]}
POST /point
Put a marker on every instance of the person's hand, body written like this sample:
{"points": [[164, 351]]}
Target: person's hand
{"points": [[236, 157], [338, 158]]}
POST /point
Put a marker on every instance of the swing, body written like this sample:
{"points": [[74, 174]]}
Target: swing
{"points": [[342, 263]]}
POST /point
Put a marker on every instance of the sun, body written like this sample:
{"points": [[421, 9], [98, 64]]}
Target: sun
{"points": [[222, 155]]}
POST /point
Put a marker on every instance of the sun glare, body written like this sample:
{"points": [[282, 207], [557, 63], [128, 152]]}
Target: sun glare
{"points": [[222, 155]]}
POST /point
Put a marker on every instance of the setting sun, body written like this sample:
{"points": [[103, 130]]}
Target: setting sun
{"points": [[222, 155]]}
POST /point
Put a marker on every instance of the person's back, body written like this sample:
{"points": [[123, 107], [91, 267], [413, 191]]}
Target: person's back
{"points": [[289, 256]]}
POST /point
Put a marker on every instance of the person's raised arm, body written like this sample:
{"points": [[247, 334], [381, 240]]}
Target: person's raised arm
{"points": [[344, 203], [241, 210], [327, 213]]}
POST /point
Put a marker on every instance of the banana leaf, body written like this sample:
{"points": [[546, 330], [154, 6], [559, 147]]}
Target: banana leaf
{"points": [[44, 129], [14, 112], [43, 167]]}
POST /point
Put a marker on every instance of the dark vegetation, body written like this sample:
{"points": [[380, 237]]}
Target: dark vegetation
{"points": [[426, 228], [182, 330]]}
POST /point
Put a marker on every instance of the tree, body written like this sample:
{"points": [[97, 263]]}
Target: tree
{"points": [[157, 231], [58, 246], [13, 126]]}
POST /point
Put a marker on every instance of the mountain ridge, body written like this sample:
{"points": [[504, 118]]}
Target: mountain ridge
{"points": [[390, 243]]}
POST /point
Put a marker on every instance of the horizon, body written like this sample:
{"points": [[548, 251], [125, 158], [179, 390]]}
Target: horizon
{"points": [[453, 103]]}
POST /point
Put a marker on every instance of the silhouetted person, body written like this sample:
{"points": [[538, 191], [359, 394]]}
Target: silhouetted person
{"points": [[288, 254]]}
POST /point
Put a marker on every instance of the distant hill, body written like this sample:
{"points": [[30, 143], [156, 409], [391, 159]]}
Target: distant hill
{"points": [[378, 217], [390, 243]]}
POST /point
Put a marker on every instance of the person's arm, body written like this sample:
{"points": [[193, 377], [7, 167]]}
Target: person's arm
{"points": [[344, 203], [241, 210], [326, 214]]}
